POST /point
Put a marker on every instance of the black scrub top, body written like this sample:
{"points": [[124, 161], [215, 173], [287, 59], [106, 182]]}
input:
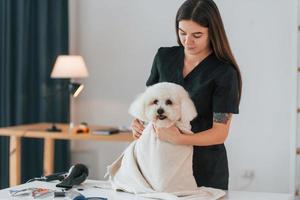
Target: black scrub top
{"points": [[213, 87]]}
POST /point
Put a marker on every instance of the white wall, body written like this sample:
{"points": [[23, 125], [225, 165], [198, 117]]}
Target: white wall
{"points": [[118, 40], [263, 37]]}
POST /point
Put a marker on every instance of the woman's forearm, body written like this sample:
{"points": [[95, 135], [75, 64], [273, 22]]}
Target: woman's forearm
{"points": [[216, 135]]}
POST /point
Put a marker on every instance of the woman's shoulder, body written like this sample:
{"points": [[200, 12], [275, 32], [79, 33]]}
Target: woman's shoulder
{"points": [[226, 67], [169, 51], [225, 71], [220, 67]]}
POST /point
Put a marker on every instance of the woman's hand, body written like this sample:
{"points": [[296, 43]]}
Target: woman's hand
{"points": [[137, 128], [171, 134]]}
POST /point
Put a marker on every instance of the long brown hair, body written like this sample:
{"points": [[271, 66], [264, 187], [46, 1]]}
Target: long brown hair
{"points": [[206, 14]]}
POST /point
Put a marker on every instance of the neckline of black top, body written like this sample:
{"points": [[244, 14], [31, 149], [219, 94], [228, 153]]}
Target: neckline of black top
{"points": [[198, 67]]}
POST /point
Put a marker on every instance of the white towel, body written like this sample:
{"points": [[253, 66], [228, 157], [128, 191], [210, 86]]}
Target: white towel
{"points": [[157, 169]]}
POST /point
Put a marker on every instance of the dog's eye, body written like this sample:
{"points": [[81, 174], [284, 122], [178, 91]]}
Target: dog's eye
{"points": [[169, 102], [155, 101]]}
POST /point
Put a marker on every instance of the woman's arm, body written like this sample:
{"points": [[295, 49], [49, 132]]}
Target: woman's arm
{"points": [[216, 135]]}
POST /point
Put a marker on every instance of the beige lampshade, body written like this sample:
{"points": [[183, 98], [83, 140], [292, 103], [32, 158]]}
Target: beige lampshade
{"points": [[69, 66]]}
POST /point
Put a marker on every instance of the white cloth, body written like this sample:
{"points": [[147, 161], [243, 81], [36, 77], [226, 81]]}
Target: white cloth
{"points": [[157, 169]]}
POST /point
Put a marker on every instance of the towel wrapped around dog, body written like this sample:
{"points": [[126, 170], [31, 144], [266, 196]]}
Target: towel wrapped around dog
{"points": [[154, 168]]}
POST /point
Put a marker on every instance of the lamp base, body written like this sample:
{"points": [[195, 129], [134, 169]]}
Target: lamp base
{"points": [[53, 128]]}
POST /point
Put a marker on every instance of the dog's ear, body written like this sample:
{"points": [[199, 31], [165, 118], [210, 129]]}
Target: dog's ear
{"points": [[188, 110], [137, 108]]}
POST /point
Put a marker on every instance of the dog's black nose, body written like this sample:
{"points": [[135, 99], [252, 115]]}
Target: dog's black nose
{"points": [[160, 111]]}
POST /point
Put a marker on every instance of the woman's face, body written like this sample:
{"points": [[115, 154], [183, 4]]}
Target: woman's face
{"points": [[193, 37]]}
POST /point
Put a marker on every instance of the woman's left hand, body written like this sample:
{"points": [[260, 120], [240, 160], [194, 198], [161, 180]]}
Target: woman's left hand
{"points": [[171, 134]]}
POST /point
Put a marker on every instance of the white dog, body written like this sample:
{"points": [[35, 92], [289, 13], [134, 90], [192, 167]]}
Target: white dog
{"points": [[150, 165], [164, 104]]}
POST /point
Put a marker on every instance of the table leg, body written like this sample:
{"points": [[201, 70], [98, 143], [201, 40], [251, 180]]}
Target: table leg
{"points": [[48, 156], [14, 161]]}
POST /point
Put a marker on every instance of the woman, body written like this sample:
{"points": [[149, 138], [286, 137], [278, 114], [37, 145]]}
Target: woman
{"points": [[205, 66]]}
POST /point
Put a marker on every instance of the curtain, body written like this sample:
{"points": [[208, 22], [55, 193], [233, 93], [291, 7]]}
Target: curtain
{"points": [[32, 34]]}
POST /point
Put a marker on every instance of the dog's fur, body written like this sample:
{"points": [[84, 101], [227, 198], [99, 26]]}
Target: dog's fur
{"points": [[164, 104]]}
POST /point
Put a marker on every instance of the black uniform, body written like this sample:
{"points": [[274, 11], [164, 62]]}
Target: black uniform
{"points": [[213, 87]]}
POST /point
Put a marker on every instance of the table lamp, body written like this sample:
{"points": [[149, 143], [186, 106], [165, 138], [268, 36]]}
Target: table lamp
{"points": [[69, 66]]}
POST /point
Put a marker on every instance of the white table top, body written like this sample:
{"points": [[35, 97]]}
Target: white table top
{"points": [[90, 191]]}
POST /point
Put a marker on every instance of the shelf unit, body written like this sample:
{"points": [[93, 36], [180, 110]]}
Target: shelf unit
{"points": [[297, 184]]}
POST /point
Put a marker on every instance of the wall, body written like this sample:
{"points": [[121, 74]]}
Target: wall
{"points": [[118, 40]]}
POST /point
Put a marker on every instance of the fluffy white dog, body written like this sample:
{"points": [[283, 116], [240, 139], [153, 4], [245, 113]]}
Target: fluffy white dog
{"points": [[148, 165], [164, 104]]}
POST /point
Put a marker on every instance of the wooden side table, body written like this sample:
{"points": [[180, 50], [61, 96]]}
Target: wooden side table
{"points": [[39, 131]]}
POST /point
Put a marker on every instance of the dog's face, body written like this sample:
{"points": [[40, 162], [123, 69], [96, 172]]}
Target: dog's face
{"points": [[163, 110], [163, 104]]}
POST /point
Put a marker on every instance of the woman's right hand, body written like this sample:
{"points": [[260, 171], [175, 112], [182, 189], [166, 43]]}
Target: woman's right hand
{"points": [[137, 128]]}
